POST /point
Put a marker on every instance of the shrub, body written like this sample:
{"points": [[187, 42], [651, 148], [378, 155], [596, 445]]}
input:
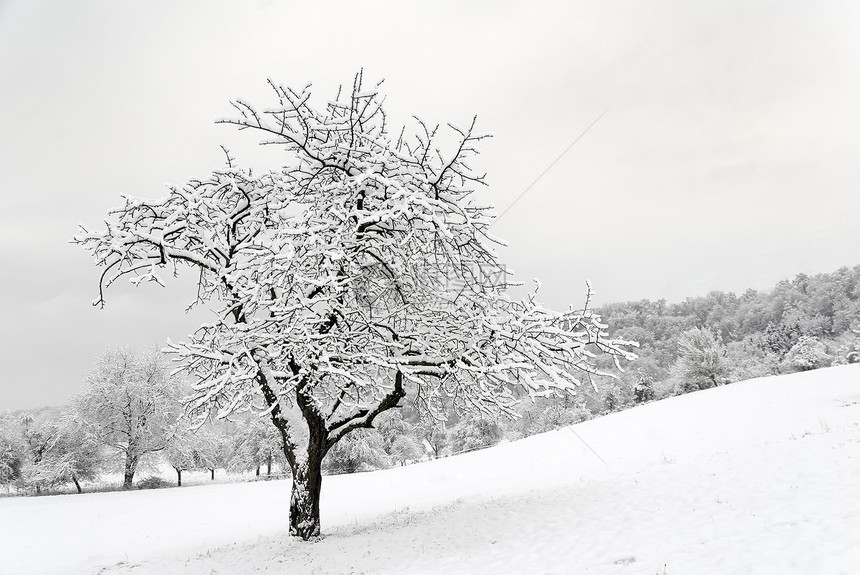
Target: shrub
{"points": [[700, 362], [643, 391], [807, 354], [153, 482], [475, 432]]}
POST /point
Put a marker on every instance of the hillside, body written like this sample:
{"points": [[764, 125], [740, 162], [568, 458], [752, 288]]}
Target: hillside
{"points": [[755, 477]]}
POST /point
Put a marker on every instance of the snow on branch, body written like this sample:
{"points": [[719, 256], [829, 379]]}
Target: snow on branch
{"points": [[359, 270]]}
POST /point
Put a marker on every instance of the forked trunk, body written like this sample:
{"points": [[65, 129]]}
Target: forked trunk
{"points": [[178, 477], [307, 467]]}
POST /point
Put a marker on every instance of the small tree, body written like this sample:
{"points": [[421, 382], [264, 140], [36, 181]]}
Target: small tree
{"points": [[130, 404], [213, 451], [183, 452], [400, 441], [475, 432], [255, 443], [643, 391], [334, 280], [405, 449], [38, 440], [59, 453], [434, 436], [363, 450], [76, 456], [38, 453], [700, 360], [616, 396]]}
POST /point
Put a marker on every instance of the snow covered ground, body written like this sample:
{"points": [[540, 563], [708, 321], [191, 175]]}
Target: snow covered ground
{"points": [[761, 476]]}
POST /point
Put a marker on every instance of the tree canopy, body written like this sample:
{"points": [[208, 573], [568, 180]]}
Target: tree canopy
{"points": [[360, 268]]}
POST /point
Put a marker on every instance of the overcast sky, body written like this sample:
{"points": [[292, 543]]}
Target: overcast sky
{"points": [[727, 159]]}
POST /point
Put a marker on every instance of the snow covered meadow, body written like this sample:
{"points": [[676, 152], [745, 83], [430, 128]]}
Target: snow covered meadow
{"points": [[761, 476]]}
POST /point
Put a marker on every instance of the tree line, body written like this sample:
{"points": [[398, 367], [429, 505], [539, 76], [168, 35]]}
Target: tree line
{"points": [[129, 412], [805, 323], [130, 415]]}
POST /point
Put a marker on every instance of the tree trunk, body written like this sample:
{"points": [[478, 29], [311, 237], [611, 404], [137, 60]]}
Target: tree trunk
{"points": [[258, 471], [178, 477], [128, 475], [77, 483], [305, 499], [307, 471], [212, 471], [269, 466]]}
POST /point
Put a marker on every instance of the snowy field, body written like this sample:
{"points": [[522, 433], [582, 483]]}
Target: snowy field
{"points": [[761, 476]]}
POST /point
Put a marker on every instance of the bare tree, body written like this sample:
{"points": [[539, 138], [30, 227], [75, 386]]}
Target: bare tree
{"points": [[131, 404], [360, 268]]}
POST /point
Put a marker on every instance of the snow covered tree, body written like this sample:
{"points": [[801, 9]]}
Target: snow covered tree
{"points": [[808, 353], [852, 351], [405, 449], [700, 362], [131, 404], [475, 431], [75, 456], [58, 452], [183, 452], [12, 453], [37, 441], [205, 447], [38, 451], [643, 391], [255, 443], [777, 340], [213, 450], [434, 436], [400, 440], [360, 268], [363, 450]]}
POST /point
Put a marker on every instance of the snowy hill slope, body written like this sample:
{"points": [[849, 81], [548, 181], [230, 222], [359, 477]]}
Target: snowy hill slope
{"points": [[760, 476]]}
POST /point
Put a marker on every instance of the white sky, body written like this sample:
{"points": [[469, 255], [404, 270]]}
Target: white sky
{"points": [[727, 158]]}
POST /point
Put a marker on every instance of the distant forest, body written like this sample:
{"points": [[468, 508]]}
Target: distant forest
{"points": [[800, 324]]}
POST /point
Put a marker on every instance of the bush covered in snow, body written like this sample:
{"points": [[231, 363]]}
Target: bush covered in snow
{"points": [[474, 432], [808, 353], [363, 450]]}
